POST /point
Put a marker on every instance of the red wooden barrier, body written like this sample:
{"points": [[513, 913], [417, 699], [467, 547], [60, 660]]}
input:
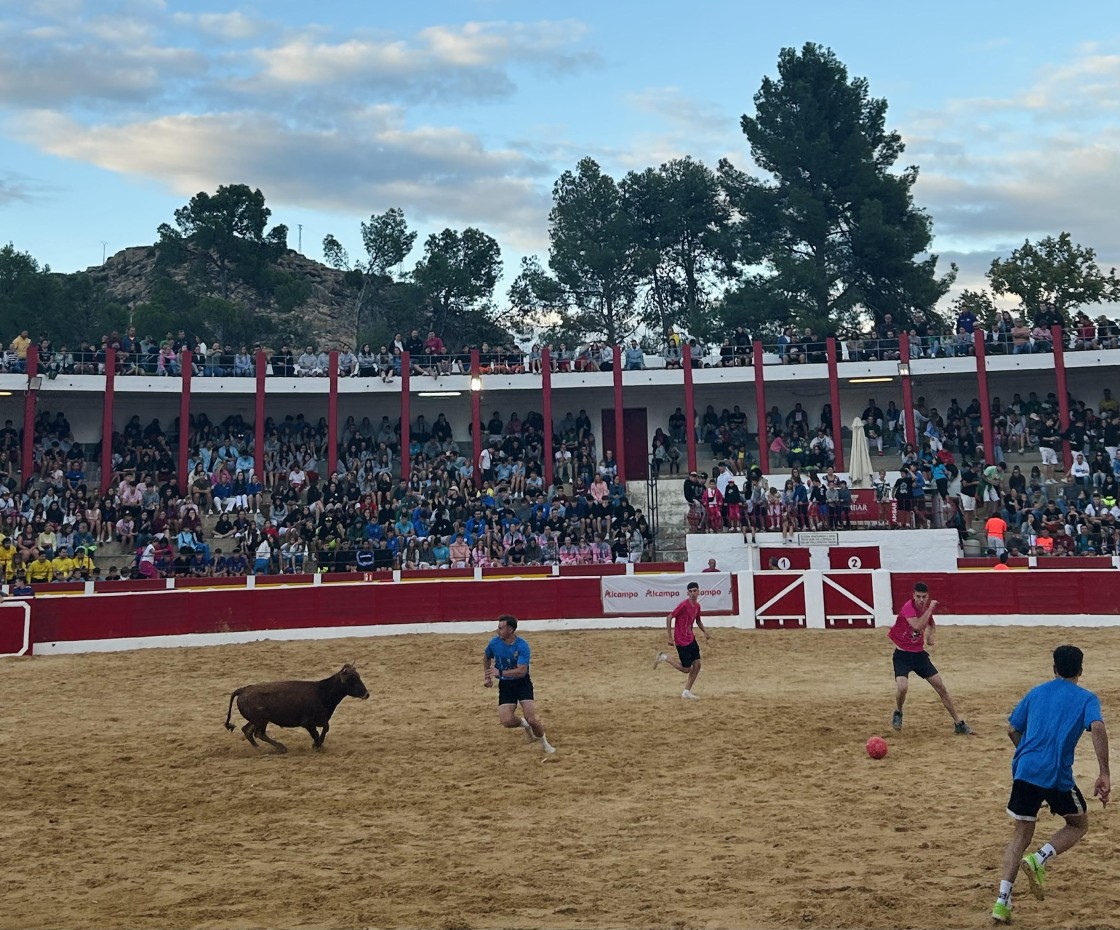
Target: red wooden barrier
{"points": [[796, 557], [854, 557], [67, 619], [1028, 593], [591, 571]]}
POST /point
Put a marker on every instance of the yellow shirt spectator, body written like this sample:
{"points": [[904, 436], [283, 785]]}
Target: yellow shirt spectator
{"points": [[20, 343], [7, 556], [40, 571], [84, 564], [62, 564]]}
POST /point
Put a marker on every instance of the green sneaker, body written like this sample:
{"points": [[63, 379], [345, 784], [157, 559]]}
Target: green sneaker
{"points": [[1001, 913], [1036, 875]]}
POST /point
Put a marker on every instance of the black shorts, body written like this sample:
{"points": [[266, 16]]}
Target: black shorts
{"points": [[688, 654], [917, 662], [1026, 799], [515, 690], [905, 503]]}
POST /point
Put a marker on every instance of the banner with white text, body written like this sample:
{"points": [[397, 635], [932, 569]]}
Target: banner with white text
{"points": [[659, 594]]}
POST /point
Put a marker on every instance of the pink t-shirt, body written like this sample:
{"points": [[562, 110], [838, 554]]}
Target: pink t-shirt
{"points": [[903, 635], [684, 617]]}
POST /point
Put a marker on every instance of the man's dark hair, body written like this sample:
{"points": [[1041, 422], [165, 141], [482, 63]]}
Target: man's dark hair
{"points": [[920, 588], [1067, 661], [509, 620], [693, 584]]}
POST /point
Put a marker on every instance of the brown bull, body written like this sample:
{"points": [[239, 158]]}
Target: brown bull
{"points": [[307, 704]]}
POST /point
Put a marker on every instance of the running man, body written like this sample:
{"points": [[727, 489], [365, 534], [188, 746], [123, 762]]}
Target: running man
{"points": [[506, 661], [1045, 727], [915, 623], [678, 631]]}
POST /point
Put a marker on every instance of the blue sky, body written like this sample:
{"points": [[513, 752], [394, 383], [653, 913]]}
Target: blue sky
{"points": [[464, 113]]}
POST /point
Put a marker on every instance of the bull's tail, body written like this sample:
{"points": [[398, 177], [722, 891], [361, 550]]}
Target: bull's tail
{"points": [[229, 713]]}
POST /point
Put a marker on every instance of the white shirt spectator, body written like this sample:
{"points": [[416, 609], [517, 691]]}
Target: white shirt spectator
{"points": [[308, 362], [723, 479]]}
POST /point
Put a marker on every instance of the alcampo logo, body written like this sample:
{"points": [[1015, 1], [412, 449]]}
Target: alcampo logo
{"points": [[622, 594]]}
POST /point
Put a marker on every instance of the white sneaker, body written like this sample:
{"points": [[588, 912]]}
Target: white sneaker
{"points": [[548, 748], [688, 695], [661, 657]]}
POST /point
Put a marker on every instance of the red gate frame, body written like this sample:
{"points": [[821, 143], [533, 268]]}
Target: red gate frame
{"points": [[792, 584], [839, 583]]}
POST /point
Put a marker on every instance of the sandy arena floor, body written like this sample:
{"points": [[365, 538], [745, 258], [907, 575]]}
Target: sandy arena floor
{"points": [[126, 803]]}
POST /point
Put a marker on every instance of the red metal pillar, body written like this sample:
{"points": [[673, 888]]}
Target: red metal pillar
{"points": [[760, 409], [107, 418], [985, 401], [1063, 391], [258, 425], [30, 399], [907, 390], [332, 416], [406, 415], [834, 397], [619, 421], [546, 393], [476, 415], [187, 363], [689, 405]]}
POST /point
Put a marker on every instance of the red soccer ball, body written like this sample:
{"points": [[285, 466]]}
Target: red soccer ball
{"points": [[876, 747]]}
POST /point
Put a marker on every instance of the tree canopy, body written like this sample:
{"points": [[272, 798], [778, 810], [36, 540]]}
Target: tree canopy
{"points": [[224, 233], [1055, 272], [833, 233]]}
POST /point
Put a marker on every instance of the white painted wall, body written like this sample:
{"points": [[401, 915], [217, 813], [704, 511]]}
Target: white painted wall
{"points": [[899, 550]]}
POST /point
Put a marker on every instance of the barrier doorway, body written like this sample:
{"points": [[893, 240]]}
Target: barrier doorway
{"points": [[635, 440]]}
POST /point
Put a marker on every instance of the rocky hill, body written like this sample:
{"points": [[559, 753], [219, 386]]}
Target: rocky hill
{"points": [[130, 276]]}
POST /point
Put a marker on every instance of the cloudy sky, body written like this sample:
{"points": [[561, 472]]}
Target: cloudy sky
{"points": [[464, 112]]}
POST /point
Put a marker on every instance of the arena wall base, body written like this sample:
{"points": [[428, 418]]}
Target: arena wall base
{"points": [[445, 628], [836, 599]]}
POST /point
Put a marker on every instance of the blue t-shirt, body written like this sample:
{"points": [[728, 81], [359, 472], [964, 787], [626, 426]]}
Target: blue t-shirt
{"points": [[508, 656], [1051, 718]]}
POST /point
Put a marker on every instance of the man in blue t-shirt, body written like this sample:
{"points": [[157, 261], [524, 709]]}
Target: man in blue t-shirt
{"points": [[506, 661], [1045, 727]]}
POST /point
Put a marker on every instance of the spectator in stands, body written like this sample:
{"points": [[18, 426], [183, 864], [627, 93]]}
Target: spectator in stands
{"points": [[308, 364], [347, 362], [673, 350], [243, 364], [367, 361], [635, 359], [18, 347]]}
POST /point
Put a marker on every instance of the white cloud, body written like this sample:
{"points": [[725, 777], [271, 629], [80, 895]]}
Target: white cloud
{"points": [[464, 62], [998, 171], [371, 163], [226, 27], [105, 61]]}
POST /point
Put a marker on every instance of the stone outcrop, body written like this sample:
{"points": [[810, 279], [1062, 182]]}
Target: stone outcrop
{"points": [[130, 275]]}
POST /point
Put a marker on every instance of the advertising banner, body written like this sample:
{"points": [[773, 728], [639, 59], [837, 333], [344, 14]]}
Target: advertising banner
{"points": [[658, 594], [866, 510]]}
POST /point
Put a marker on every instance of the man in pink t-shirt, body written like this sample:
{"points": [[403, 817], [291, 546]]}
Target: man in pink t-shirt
{"points": [[914, 624], [678, 630]]}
